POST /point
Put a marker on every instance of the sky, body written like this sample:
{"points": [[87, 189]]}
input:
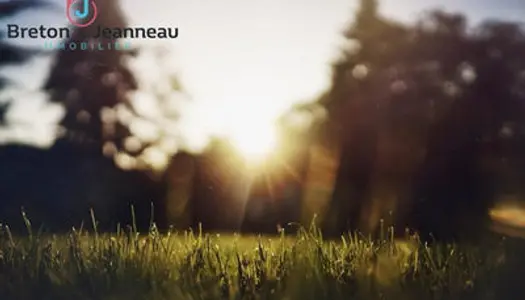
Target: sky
{"points": [[248, 58], [279, 48]]}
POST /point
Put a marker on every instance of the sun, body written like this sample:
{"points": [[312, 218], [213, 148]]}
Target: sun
{"points": [[243, 112], [249, 122], [255, 141]]}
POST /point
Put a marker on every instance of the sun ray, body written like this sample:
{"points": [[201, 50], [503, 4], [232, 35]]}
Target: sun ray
{"points": [[269, 185]]}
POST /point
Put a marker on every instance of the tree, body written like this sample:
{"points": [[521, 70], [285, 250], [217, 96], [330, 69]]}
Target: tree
{"points": [[10, 54], [86, 82], [410, 104], [123, 102], [100, 94], [472, 147], [352, 108]]}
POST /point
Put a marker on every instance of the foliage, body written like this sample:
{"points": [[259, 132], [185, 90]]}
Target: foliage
{"points": [[10, 54], [421, 107]]}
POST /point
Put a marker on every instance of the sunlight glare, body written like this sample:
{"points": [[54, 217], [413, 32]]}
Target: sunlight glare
{"points": [[251, 125], [255, 141]]}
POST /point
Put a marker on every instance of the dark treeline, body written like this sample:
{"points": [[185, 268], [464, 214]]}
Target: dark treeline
{"points": [[427, 120], [431, 121], [58, 186]]}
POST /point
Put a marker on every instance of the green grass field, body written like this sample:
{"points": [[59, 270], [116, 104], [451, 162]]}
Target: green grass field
{"points": [[188, 265]]}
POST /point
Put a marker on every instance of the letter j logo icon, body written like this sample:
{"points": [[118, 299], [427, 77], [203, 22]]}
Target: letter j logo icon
{"points": [[81, 13]]}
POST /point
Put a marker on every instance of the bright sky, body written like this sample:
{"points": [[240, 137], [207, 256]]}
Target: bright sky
{"points": [[233, 51], [256, 57]]}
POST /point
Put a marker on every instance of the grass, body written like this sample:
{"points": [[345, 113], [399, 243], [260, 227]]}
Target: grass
{"points": [[193, 265]]}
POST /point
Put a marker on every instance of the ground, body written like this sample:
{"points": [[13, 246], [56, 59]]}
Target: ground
{"points": [[194, 265]]}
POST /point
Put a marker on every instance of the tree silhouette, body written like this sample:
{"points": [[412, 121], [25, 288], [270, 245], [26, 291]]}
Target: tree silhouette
{"points": [[113, 98], [94, 87], [10, 54], [353, 111], [472, 146], [85, 82], [411, 106]]}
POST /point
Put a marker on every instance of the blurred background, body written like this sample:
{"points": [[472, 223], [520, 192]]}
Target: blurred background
{"points": [[265, 113]]}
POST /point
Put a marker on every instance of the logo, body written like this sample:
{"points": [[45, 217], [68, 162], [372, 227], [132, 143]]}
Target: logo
{"points": [[81, 13]]}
